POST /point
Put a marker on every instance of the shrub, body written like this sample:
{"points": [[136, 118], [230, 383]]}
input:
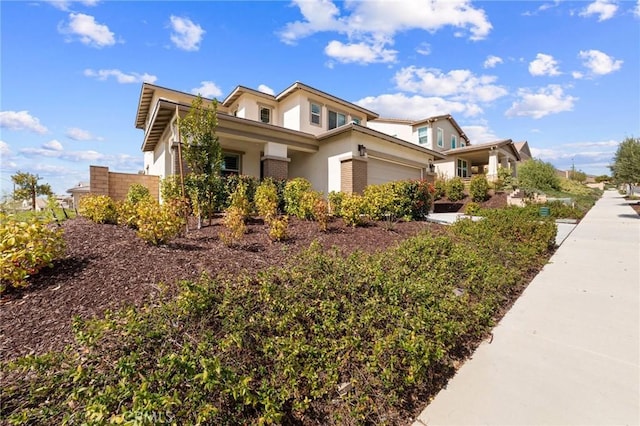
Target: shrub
{"points": [[472, 208], [231, 184], [335, 201], [99, 209], [240, 201], [278, 228], [266, 200], [479, 188], [455, 189], [308, 203], [158, 224], [321, 213], [421, 198], [25, 248], [127, 214], [235, 228], [137, 192], [505, 180], [536, 175], [353, 209], [170, 188], [293, 192], [381, 200], [439, 188]]}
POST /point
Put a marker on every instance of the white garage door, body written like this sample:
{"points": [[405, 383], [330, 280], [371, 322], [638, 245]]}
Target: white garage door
{"points": [[380, 171]]}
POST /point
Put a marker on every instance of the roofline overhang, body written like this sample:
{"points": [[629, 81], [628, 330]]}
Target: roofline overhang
{"points": [[353, 127], [301, 86], [239, 90], [485, 146]]}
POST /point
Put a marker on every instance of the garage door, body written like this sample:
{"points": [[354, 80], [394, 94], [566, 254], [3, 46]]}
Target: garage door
{"points": [[380, 171]]}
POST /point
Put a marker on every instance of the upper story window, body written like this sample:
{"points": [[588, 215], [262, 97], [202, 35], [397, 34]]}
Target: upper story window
{"points": [[440, 137], [454, 141], [315, 114], [336, 119], [423, 135], [265, 114], [462, 144], [356, 120], [230, 163]]}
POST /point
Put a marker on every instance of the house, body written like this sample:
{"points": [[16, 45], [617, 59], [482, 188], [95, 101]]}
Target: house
{"points": [[300, 132], [443, 134], [79, 191]]}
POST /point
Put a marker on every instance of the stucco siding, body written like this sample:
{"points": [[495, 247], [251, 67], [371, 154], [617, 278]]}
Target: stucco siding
{"points": [[399, 130]]}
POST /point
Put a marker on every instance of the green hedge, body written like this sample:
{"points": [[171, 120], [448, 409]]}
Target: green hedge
{"points": [[328, 339]]}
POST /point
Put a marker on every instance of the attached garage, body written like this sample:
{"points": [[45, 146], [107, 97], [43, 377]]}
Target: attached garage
{"points": [[382, 171]]}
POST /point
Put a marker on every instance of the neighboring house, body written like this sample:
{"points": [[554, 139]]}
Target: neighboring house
{"points": [[41, 204], [523, 150], [79, 191], [300, 132], [443, 134]]}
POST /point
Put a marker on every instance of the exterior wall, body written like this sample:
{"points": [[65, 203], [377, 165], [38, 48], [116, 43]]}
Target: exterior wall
{"points": [[116, 185], [402, 131], [248, 106], [447, 169], [353, 175], [275, 168], [448, 130]]}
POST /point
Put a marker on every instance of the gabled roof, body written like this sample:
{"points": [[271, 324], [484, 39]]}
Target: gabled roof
{"points": [[353, 127], [240, 90], [301, 86], [428, 120], [523, 149], [484, 147]]}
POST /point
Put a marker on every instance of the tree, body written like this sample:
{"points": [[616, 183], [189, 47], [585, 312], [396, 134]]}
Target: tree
{"points": [[28, 188], [537, 175], [626, 163], [202, 154]]}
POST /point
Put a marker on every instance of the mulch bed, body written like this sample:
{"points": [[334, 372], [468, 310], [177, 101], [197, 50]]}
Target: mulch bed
{"points": [[107, 267], [443, 205]]}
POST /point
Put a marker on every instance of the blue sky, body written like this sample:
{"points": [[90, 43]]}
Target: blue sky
{"points": [[562, 75]]}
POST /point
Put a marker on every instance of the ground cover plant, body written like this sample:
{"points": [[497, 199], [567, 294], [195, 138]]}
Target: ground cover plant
{"points": [[325, 338]]}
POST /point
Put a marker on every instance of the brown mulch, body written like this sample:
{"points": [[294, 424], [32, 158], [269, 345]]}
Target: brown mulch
{"points": [[495, 201], [107, 267]]}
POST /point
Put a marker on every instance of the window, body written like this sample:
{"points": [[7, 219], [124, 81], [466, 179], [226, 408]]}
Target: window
{"points": [[463, 170], [423, 135], [356, 120], [315, 114], [440, 137], [462, 144], [336, 119], [265, 115], [230, 164], [454, 141]]}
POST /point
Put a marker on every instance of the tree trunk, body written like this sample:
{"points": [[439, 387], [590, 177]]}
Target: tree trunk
{"points": [[33, 200]]}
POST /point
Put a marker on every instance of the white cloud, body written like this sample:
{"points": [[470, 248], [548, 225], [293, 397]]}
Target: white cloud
{"points": [[598, 62], [186, 35], [65, 4], [371, 26], [416, 107], [207, 89], [5, 151], [120, 76], [21, 120], [424, 49], [479, 133], [544, 65], [53, 145], [361, 52], [542, 8], [492, 61], [605, 9], [577, 75], [266, 89], [78, 134], [459, 84], [547, 100], [88, 30]]}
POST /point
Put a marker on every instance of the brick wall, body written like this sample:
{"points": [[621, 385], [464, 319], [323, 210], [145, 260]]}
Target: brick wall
{"points": [[353, 175], [116, 185], [275, 168]]}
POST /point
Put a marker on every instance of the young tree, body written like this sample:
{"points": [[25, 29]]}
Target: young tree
{"points": [[537, 175], [202, 153], [27, 187], [626, 163]]}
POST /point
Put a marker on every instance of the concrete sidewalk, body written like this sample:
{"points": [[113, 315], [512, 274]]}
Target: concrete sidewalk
{"points": [[568, 351]]}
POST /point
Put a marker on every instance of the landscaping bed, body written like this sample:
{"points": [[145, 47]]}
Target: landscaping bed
{"points": [[108, 267]]}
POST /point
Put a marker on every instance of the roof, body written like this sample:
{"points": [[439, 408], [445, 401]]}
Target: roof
{"points": [[239, 90], [523, 148], [484, 146], [301, 86], [429, 120], [353, 127]]}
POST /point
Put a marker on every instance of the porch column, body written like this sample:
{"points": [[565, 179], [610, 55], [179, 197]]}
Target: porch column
{"points": [[492, 172], [353, 175], [275, 163]]}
